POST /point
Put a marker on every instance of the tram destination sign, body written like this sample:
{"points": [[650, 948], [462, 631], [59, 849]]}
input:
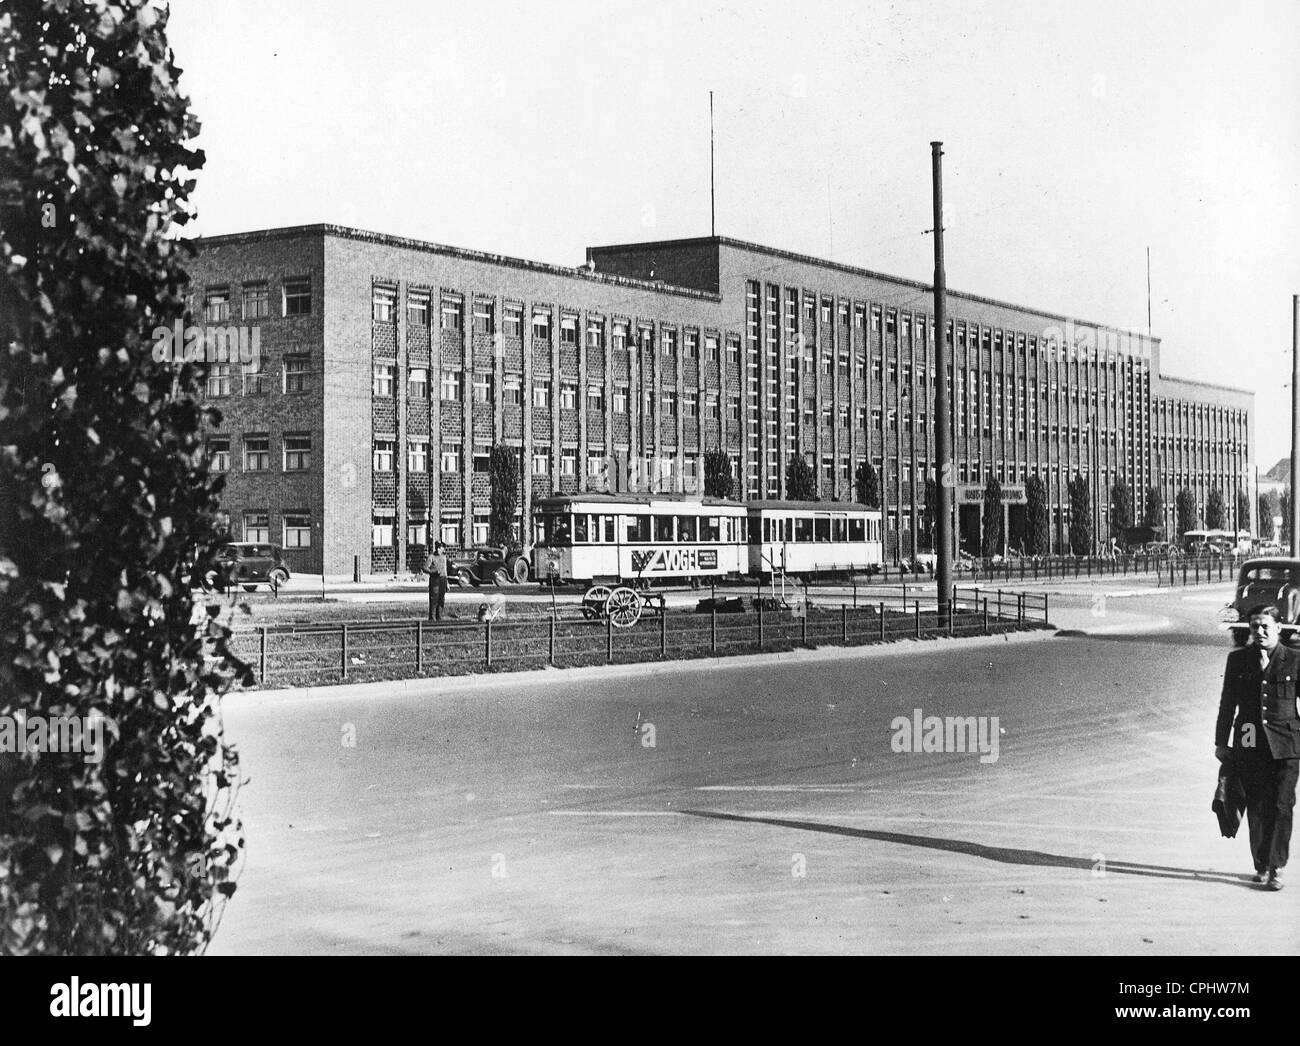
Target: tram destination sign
{"points": [[973, 494]]}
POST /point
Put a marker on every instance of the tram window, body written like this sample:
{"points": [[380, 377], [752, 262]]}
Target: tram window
{"points": [[663, 528], [686, 528], [822, 528], [556, 529], [857, 529], [711, 528], [638, 528], [580, 534], [803, 529], [767, 530], [608, 522], [839, 528]]}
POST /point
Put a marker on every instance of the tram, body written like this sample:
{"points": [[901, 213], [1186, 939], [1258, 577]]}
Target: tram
{"points": [[594, 539]]}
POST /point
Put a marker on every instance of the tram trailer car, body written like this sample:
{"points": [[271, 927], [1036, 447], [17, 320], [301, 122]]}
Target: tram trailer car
{"points": [[811, 538], [606, 538]]}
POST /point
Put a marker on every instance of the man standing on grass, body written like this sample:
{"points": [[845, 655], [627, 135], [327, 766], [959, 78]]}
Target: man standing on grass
{"points": [[1259, 689], [436, 568]]}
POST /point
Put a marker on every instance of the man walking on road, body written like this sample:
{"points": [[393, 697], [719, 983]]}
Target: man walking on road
{"points": [[1259, 689], [436, 568]]}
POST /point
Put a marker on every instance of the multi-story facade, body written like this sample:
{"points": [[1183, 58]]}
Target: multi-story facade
{"points": [[390, 367]]}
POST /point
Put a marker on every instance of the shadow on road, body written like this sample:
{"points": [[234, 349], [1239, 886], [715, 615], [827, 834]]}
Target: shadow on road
{"points": [[1002, 854], [1163, 638]]}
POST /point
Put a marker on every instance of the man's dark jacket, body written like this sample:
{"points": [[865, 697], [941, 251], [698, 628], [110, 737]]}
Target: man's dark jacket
{"points": [[1263, 700]]}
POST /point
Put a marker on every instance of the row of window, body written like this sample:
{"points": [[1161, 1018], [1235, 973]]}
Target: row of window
{"points": [[296, 528], [255, 299], [295, 452], [219, 378]]}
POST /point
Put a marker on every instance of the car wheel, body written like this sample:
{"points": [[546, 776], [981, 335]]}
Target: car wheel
{"points": [[278, 578], [501, 577], [250, 588], [209, 582], [520, 570], [463, 578]]}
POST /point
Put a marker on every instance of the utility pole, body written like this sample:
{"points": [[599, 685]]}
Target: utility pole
{"points": [[1295, 424], [942, 408], [713, 211]]}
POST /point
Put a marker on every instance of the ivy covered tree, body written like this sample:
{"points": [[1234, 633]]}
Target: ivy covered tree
{"points": [[1037, 519], [1080, 516], [866, 484], [1243, 510], [1185, 511], [1154, 516], [718, 480], [1216, 512], [991, 518], [105, 500], [800, 483], [1121, 509], [504, 477], [1268, 511]]}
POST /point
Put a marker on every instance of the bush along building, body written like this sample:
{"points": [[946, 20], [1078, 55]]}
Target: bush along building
{"points": [[390, 367]]}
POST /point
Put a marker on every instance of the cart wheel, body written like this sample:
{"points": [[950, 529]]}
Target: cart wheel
{"points": [[593, 601], [623, 607]]}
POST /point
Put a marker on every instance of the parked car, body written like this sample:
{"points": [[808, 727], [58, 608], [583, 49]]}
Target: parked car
{"points": [[488, 565], [246, 563], [1273, 582]]}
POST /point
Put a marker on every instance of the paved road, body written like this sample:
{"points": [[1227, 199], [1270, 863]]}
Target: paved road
{"points": [[771, 814]]}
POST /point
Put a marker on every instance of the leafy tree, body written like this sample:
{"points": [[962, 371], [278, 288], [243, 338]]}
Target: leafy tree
{"points": [[1268, 511], [718, 480], [1154, 516], [1216, 512], [1243, 510], [1285, 509], [929, 536], [1185, 511], [1037, 518], [1121, 509], [800, 483], [1080, 516], [504, 477], [105, 500], [991, 537], [866, 482]]}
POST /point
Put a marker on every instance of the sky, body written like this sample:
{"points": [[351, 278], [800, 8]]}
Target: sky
{"points": [[1076, 136]]}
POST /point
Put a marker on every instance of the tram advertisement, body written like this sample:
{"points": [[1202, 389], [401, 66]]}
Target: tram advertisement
{"points": [[674, 560]]}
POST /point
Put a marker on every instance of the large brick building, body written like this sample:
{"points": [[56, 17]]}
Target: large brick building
{"points": [[390, 367]]}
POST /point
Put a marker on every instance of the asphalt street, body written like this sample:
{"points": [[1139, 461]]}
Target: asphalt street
{"points": [[760, 805]]}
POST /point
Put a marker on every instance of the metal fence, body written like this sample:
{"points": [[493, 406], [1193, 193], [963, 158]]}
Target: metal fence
{"points": [[1165, 570], [304, 655]]}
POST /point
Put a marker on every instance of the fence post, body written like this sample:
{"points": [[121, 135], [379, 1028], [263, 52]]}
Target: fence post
{"points": [[551, 650], [844, 623], [882, 620], [663, 631], [488, 640], [803, 629], [760, 623], [261, 656], [1045, 621], [986, 615], [918, 619], [1184, 572], [999, 611], [855, 592], [343, 652], [609, 640], [419, 648], [713, 629]]}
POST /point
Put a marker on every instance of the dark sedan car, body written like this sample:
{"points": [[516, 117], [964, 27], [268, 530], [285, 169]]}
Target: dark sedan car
{"points": [[488, 565], [246, 563], [1272, 582]]}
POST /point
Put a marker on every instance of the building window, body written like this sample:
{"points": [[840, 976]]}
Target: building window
{"points": [[254, 384], [733, 407], [595, 334], [595, 463], [711, 348], [381, 382], [595, 397], [619, 338], [482, 459], [449, 459], [451, 386], [542, 325], [449, 532], [691, 405], [382, 457], [512, 394], [219, 454], [417, 309], [296, 369], [216, 305], [417, 533], [620, 399], [452, 311], [514, 321], [381, 529], [541, 461], [257, 300], [542, 393], [875, 419], [483, 388], [691, 345], [257, 453], [383, 303], [257, 526], [733, 349], [297, 296], [568, 330], [669, 404], [482, 525], [485, 317], [711, 409], [297, 530], [218, 379], [569, 462], [297, 453], [417, 383], [417, 456], [568, 396]]}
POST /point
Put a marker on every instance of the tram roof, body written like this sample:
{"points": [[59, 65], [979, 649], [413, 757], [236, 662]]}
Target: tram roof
{"points": [[636, 499], [811, 506]]}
